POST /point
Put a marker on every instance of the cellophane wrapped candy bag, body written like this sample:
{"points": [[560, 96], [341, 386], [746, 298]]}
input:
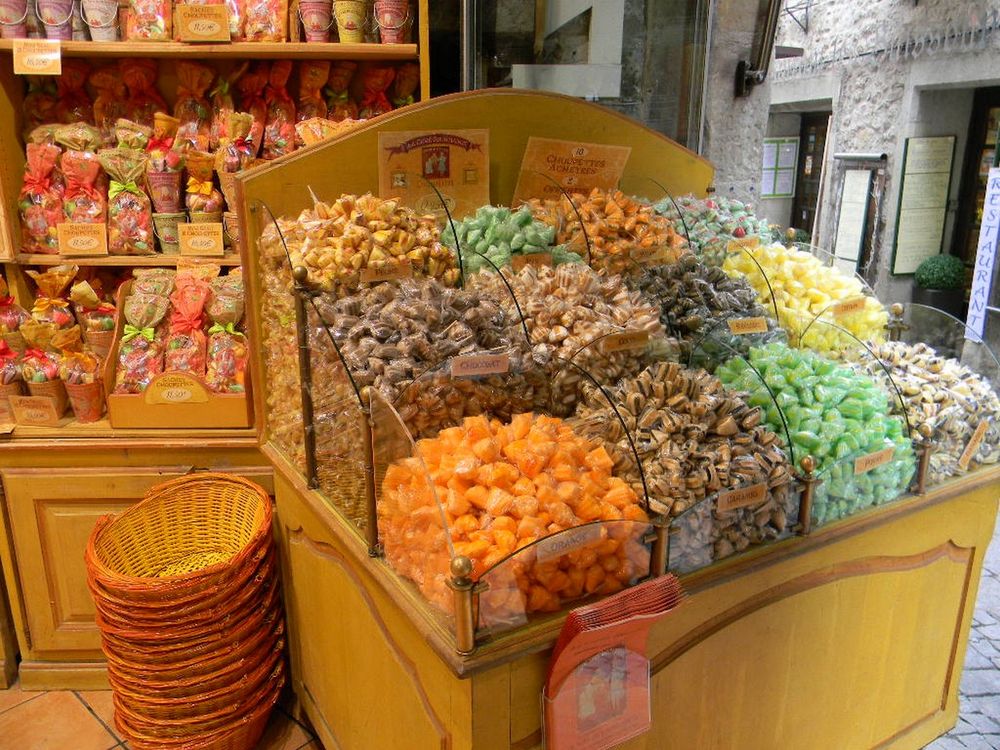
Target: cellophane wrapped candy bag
{"points": [[202, 196], [10, 366], [376, 81], [313, 74], [12, 315], [279, 127], [95, 315], [74, 103], [51, 305], [144, 100], [222, 104], [234, 154], [227, 346], [40, 362], [192, 108], [140, 353], [252, 86], [339, 104], [185, 351], [131, 134], [130, 218], [40, 201], [405, 86], [40, 103], [109, 101], [163, 170], [149, 20], [157, 281], [75, 365], [266, 21]]}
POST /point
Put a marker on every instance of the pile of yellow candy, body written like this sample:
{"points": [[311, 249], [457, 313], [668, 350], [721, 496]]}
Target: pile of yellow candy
{"points": [[804, 289]]}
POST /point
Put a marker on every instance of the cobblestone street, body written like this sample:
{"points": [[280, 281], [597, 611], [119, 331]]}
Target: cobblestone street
{"points": [[978, 725]]}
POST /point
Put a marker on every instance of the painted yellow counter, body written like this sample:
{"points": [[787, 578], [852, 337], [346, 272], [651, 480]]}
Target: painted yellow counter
{"points": [[852, 637]]}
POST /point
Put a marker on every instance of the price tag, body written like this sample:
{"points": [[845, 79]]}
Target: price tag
{"points": [[479, 364], [974, 442], [203, 23], [550, 166], [537, 260], [77, 238], [34, 410], [373, 274], [850, 307], [175, 388], [201, 238], [873, 460], [617, 342], [743, 326], [37, 57], [741, 498]]}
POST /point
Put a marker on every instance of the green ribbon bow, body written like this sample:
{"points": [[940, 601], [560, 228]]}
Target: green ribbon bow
{"points": [[224, 328], [131, 332], [337, 97], [116, 188], [403, 101]]}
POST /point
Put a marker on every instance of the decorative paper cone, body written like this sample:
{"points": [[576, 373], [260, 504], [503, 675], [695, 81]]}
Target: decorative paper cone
{"points": [[100, 342], [350, 15], [11, 389], [199, 217], [317, 18], [54, 390], [165, 229], [230, 228], [87, 400], [393, 19], [15, 341], [57, 18], [227, 182], [102, 18], [13, 14], [165, 191]]}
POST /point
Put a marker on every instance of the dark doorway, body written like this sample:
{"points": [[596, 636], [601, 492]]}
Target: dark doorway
{"points": [[812, 142]]}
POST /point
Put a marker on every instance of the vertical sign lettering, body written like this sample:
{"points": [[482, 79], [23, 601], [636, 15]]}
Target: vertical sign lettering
{"points": [[986, 251]]}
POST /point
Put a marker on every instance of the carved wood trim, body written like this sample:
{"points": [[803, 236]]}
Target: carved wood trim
{"points": [[298, 536]]}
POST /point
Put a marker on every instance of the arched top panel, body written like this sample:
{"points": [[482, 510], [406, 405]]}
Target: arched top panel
{"points": [[348, 164]]}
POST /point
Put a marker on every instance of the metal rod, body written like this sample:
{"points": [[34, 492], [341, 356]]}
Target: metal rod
{"points": [[461, 585], [371, 509], [658, 556], [809, 482], [925, 446], [895, 326], [300, 274], [469, 40]]}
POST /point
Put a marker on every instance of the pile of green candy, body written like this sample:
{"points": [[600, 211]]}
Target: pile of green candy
{"points": [[497, 234], [712, 222], [834, 415]]}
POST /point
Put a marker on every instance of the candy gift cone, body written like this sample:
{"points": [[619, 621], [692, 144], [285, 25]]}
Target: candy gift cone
{"points": [[165, 191], [393, 19], [87, 400], [54, 390], [101, 17], [99, 342], [57, 18], [350, 15], [165, 228], [13, 17], [317, 18]]}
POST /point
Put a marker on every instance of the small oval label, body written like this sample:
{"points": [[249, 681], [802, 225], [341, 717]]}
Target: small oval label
{"points": [[176, 395], [201, 243], [82, 243], [204, 27]]}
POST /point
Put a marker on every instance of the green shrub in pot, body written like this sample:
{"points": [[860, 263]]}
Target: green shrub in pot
{"points": [[940, 282]]}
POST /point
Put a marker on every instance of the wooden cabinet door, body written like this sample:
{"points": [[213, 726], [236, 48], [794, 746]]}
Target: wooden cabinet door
{"points": [[51, 513]]}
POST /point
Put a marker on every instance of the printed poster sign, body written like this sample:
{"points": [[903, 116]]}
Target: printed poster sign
{"points": [[456, 162], [550, 166]]}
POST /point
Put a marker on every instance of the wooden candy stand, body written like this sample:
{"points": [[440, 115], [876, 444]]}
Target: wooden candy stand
{"points": [[851, 636]]}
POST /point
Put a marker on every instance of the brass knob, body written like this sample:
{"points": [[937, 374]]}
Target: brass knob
{"points": [[300, 274], [808, 464], [461, 567], [896, 309]]}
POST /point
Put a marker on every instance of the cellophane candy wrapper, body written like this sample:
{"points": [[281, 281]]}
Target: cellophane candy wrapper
{"points": [[74, 102], [339, 104], [313, 75], [404, 88], [94, 314], [140, 353], [186, 344], [51, 306], [131, 134], [40, 201], [74, 364], [376, 81], [227, 346], [161, 143], [234, 154], [266, 21], [10, 364], [149, 20], [279, 128], [156, 281], [12, 315], [144, 100], [222, 104], [192, 108], [39, 365], [40, 103], [78, 136], [109, 101], [130, 218], [201, 192], [83, 202], [252, 85]]}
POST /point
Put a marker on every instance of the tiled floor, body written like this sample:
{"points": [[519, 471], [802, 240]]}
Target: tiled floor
{"points": [[84, 720]]}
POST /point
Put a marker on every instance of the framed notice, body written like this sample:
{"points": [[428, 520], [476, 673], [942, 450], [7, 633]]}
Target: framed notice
{"points": [[781, 157], [923, 201], [411, 164], [853, 221]]}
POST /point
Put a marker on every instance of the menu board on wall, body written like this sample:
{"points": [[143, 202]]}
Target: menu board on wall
{"points": [[781, 156], [853, 219], [923, 201]]}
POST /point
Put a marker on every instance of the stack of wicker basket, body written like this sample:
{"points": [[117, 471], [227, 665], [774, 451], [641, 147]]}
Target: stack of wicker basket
{"points": [[189, 608]]}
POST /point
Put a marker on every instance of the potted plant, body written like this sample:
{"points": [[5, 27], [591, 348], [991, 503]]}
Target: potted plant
{"points": [[940, 282]]}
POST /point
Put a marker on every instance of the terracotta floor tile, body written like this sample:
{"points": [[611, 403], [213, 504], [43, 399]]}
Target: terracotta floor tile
{"points": [[101, 703], [14, 696], [54, 721], [283, 733]]}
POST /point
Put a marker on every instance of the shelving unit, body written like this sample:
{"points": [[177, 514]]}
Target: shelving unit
{"points": [[55, 482]]}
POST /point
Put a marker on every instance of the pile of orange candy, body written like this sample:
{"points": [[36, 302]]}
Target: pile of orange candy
{"points": [[498, 488]]}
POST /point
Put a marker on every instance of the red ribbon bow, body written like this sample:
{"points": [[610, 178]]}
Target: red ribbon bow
{"points": [[183, 321], [76, 187], [32, 353], [6, 352], [36, 183], [376, 100], [159, 144], [6, 301]]}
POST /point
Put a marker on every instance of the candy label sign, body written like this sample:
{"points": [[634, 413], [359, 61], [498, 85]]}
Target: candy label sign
{"points": [[202, 238], [37, 57], [974, 442], [617, 342], [175, 389], [531, 259], [34, 410], [743, 326], [742, 497], [386, 273], [550, 166], [76, 238], [871, 461], [480, 364], [203, 23], [849, 308]]}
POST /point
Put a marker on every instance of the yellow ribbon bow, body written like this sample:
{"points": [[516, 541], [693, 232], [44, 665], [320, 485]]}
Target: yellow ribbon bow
{"points": [[44, 304], [199, 187]]}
